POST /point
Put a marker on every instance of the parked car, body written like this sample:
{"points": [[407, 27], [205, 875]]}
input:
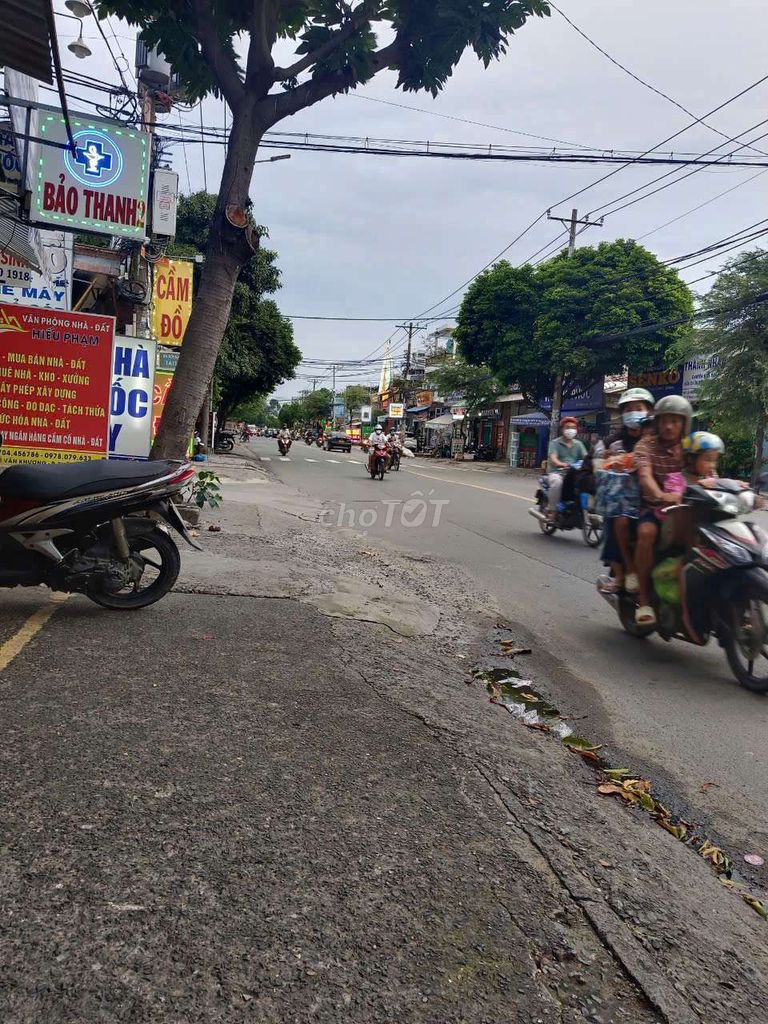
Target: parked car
{"points": [[337, 440]]}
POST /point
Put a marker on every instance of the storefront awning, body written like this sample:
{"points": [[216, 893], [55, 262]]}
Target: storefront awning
{"points": [[419, 408], [439, 423], [532, 419], [25, 42], [15, 234]]}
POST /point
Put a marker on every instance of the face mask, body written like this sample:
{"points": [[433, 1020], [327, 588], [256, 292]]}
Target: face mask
{"points": [[569, 433], [633, 419]]}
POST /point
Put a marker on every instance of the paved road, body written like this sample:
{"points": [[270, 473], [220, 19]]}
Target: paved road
{"points": [[669, 709]]}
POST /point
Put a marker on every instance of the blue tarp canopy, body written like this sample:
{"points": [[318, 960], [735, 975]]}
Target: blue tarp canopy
{"points": [[531, 419], [419, 408]]}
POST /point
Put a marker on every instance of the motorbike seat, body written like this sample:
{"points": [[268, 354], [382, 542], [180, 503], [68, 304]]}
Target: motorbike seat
{"points": [[77, 479]]}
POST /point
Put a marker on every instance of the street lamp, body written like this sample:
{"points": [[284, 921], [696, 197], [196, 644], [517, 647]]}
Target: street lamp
{"points": [[79, 47], [78, 8], [274, 159]]}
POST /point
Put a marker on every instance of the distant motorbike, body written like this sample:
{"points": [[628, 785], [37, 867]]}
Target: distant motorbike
{"points": [[225, 441], [95, 528], [574, 513], [284, 444], [715, 587], [394, 460], [320, 440], [377, 464]]}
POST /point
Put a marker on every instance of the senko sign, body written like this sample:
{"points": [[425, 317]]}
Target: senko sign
{"points": [[102, 186], [132, 398]]}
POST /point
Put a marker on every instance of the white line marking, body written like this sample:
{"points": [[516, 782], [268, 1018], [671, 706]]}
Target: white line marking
{"points": [[265, 458], [283, 458], [334, 461], [310, 460], [476, 487]]}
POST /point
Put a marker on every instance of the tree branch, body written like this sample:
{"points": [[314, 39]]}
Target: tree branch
{"points": [[223, 66], [328, 84], [365, 12], [259, 74]]}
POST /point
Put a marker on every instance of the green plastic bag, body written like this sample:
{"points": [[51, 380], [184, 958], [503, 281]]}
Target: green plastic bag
{"points": [[666, 580]]}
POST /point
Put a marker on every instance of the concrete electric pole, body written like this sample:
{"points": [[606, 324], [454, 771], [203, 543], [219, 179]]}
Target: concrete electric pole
{"points": [[573, 223]]}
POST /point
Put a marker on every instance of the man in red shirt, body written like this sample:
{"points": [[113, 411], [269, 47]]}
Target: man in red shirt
{"points": [[656, 457]]}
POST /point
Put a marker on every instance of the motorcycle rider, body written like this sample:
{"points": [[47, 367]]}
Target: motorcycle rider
{"points": [[284, 438], [636, 407], [564, 451], [376, 442], [656, 457], [395, 444]]}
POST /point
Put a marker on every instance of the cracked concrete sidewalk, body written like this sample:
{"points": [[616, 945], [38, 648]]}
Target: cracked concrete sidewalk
{"points": [[250, 805]]}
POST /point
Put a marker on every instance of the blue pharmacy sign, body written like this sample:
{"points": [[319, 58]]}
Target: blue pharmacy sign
{"points": [[130, 406]]}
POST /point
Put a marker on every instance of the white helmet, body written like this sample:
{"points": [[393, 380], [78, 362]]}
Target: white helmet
{"points": [[379, 429], [675, 405], [636, 395]]}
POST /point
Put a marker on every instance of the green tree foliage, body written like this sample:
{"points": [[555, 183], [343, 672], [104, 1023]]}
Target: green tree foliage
{"points": [[291, 414], [572, 316], [258, 352], [354, 396], [735, 399], [476, 384], [226, 47], [317, 406], [257, 411]]}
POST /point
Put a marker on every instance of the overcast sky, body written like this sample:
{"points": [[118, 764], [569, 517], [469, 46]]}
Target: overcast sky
{"points": [[372, 236]]}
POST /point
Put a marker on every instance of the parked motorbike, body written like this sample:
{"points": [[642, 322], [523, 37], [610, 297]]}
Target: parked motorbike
{"points": [[576, 513], [377, 464], [284, 445], [716, 587], [225, 441], [96, 528]]}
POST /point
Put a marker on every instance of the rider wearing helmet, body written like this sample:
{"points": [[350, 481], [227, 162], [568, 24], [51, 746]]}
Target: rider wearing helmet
{"points": [[656, 457], [636, 408], [563, 452], [378, 439]]}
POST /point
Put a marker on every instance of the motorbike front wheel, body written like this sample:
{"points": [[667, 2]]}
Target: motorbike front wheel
{"points": [[746, 645], [156, 564], [545, 526], [593, 535]]}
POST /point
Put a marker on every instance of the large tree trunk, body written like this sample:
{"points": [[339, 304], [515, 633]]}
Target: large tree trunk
{"points": [[229, 249], [757, 465]]}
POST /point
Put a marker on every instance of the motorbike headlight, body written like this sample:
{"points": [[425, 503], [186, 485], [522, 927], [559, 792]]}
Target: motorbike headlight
{"points": [[746, 501], [735, 553], [729, 503]]}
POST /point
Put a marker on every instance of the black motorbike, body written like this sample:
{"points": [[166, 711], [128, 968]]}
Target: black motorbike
{"points": [[97, 528], [576, 510], [716, 585], [225, 441]]}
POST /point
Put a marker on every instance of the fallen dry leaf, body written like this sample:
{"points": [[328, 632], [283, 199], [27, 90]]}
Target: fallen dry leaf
{"points": [[708, 785], [606, 863]]}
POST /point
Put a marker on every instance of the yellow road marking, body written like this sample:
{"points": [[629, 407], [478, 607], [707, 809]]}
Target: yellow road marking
{"points": [[11, 648], [477, 487]]}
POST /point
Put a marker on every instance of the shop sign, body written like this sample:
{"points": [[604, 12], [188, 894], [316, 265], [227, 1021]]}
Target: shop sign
{"points": [[102, 186], [490, 414], [160, 392], [167, 359], [696, 371], [458, 412], [659, 380], [365, 413], [55, 376], [10, 168], [165, 201], [588, 399], [131, 399], [52, 290], [396, 410], [424, 397], [171, 300]]}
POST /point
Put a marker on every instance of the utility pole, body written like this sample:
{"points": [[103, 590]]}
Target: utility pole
{"points": [[573, 223], [333, 399], [412, 329]]}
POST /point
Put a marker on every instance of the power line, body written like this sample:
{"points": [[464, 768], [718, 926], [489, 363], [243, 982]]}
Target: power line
{"points": [[637, 78], [467, 120]]}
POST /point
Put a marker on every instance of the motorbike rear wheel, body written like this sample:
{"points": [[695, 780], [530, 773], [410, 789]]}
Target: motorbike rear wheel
{"points": [[593, 535], [382, 468], [153, 550], [746, 645]]}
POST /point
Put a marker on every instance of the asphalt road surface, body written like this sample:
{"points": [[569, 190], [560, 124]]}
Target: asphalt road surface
{"points": [[671, 710]]}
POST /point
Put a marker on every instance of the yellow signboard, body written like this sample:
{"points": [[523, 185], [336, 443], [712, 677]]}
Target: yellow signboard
{"points": [[171, 300]]}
